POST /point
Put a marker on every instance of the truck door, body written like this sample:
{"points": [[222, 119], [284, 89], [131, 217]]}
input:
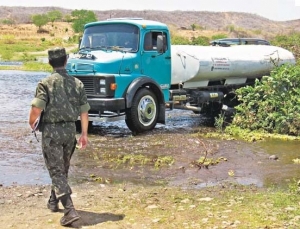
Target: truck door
{"points": [[154, 64]]}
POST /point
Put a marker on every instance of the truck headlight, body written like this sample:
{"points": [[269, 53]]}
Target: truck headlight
{"points": [[102, 82], [102, 90]]}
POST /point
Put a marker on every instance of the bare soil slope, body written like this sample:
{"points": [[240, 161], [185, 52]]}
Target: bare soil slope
{"points": [[218, 21]]}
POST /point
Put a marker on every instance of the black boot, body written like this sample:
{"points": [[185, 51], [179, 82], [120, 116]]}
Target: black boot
{"points": [[53, 202], [70, 214]]}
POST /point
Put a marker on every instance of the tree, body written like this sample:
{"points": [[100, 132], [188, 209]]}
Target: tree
{"points": [[68, 18], [193, 27], [54, 15], [81, 17], [39, 20], [8, 21]]}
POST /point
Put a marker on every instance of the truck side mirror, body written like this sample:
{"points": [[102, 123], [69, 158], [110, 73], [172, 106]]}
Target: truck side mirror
{"points": [[80, 39], [161, 43]]}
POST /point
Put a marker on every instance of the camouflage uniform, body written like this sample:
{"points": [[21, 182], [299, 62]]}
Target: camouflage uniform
{"points": [[63, 98]]}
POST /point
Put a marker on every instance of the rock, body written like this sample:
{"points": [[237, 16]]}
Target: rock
{"points": [[152, 206], [206, 199], [273, 157]]}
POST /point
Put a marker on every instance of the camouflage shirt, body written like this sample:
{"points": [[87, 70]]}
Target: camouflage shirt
{"points": [[61, 96]]}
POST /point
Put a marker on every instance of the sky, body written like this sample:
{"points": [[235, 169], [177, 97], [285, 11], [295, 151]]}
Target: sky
{"points": [[278, 10]]}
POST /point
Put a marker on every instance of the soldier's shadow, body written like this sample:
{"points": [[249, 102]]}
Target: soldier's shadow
{"points": [[93, 218]]}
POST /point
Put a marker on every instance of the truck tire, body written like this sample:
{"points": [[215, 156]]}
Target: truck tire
{"points": [[78, 126], [142, 115]]}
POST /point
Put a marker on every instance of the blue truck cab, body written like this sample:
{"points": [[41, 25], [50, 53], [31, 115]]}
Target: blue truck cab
{"points": [[125, 66]]}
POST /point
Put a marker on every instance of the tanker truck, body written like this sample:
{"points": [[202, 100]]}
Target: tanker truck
{"points": [[131, 71]]}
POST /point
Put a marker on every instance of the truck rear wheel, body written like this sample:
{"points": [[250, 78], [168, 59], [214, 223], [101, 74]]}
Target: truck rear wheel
{"points": [[142, 115]]}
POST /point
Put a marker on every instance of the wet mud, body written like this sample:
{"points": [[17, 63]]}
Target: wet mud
{"points": [[21, 160]]}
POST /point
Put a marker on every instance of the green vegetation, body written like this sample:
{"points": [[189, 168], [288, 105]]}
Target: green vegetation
{"points": [[27, 50], [67, 18], [272, 104], [138, 160], [37, 66], [54, 15], [193, 26], [200, 40], [7, 21], [81, 17], [39, 20], [29, 66], [290, 42], [176, 40], [219, 36], [78, 17]]}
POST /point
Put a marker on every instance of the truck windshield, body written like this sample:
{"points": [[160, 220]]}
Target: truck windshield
{"points": [[111, 36]]}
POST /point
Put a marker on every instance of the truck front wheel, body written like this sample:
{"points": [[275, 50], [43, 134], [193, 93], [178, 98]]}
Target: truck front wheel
{"points": [[78, 126], [142, 115]]}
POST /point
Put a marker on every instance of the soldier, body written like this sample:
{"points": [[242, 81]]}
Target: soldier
{"points": [[61, 98]]}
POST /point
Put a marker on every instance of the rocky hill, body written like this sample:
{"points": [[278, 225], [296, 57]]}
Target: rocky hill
{"points": [[219, 21]]}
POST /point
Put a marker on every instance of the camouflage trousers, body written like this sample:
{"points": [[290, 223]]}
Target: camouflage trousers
{"points": [[58, 145]]}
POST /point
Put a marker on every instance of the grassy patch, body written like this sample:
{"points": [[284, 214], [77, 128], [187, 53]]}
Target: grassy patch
{"points": [[138, 159], [36, 66], [233, 132], [252, 136], [226, 206], [29, 66]]}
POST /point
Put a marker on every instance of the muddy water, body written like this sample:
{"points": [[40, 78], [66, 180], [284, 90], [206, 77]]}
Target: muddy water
{"points": [[21, 161]]}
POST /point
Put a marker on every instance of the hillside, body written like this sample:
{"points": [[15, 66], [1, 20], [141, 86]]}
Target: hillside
{"points": [[180, 20]]}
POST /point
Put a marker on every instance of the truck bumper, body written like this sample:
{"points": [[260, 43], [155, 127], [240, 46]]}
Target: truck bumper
{"points": [[104, 104]]}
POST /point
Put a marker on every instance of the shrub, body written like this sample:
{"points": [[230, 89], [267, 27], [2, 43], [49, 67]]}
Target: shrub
{"points": [[179, 40], [27, 57], [219, 36], [201, 40], [230, 28], [8, 39], [290, 42], [272, 104], [8, 22], [6, 54]]}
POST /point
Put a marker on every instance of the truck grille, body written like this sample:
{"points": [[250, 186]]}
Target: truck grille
{"points": [[93, 88], [88, 83]]}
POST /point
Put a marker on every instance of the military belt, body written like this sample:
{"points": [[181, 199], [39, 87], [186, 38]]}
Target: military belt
{"points": [[60, 122]]}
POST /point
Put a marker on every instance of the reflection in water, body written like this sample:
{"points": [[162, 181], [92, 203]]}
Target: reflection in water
{"points": [[21, 159]]}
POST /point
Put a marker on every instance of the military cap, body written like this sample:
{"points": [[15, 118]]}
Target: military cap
{"points": [[56, 53]]}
